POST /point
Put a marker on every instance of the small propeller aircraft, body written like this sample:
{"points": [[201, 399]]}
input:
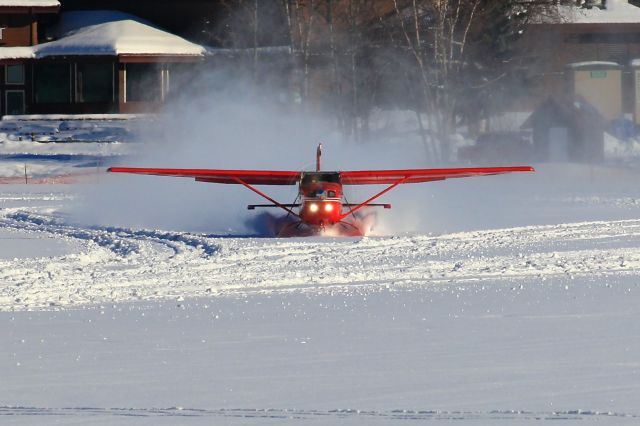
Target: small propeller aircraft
{"points": [[321, 207]]}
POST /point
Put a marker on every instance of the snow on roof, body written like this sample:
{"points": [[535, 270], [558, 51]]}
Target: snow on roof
{"points": [[598, 64], [266, 50], [17, 52], [29, 3], [114, 33], [616, 12]]}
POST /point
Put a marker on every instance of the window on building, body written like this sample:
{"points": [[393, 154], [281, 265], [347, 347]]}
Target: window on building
{"points": [[15, 102], [143, 83], [14, 74], [52, 83], [604, 37], [95, 83]]}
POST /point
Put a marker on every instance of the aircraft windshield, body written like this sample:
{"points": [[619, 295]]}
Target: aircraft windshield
{"points": [[310, 178]]}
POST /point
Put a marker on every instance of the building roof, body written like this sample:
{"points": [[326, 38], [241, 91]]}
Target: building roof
{"points": [[616, 12], [17, 52], [574, 113], [594, 64], [105, 33], [112, 33]]}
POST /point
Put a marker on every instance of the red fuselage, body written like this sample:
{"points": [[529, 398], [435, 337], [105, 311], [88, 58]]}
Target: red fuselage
{"points": [[321, 195]]}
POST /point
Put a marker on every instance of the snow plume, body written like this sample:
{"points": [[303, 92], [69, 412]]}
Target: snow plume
{"points": [[224, 125], [587, 192], [228, 124]]}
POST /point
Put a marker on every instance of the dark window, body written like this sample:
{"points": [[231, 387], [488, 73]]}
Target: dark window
{"points": [[320, 177], [604, 37], [143, 83], [15, 102], [52, 83], [15, 74], [95, 83]]}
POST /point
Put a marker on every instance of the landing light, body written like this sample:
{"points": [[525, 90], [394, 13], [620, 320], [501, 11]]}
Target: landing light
{"points": [[313, 207], [328, 207]]}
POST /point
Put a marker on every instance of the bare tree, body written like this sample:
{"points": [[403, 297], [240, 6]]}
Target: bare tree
{"points": [[327, 45], [301, 18], [443, 58], [453, 45]]}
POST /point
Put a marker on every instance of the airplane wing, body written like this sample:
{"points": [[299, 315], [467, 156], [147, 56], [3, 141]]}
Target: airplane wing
{"points": [[251, 177], [280, 177], [390, 177]]}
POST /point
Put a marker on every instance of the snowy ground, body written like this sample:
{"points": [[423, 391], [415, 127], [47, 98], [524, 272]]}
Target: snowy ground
{"points": [[481, 354], [120, 264], [493, 301], [51, 147]]}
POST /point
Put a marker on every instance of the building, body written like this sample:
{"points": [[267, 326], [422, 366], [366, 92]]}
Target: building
{"points": [[584, 48], [566, 130], [85, 61], [599, 84]]}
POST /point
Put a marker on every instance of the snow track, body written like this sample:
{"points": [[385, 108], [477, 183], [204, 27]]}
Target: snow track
{"points": [[121, 264], [329, 415]]}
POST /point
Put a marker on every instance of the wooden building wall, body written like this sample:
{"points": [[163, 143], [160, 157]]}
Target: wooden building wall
{"points": [[18, 30], [552, 47]]}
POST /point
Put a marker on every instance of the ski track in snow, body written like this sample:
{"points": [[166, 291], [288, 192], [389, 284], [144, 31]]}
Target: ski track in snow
{"points": [[120, 264], [301, 414]]}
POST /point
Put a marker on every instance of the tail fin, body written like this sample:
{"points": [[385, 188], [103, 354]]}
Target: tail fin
{"points": [[318, 156]]}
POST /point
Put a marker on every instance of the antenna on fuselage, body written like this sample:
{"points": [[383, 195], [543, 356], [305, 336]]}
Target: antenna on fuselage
{"points": [[318, 156]]}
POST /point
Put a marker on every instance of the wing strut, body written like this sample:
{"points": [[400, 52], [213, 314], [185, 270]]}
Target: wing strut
{"points": [[265, 196], [378, 195]]}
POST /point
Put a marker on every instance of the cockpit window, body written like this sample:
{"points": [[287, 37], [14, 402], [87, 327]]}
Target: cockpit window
{"points": [[320, 177], [331, 194]]}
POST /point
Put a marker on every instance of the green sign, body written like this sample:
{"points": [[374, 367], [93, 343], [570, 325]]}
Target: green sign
{"points": [[598, 74]]}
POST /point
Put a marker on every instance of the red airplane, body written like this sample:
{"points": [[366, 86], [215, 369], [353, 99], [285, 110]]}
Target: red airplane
{"points": [[321, 206]]}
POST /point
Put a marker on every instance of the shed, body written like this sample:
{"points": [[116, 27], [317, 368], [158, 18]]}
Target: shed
{"points": [[566, 130], [599, 83]]}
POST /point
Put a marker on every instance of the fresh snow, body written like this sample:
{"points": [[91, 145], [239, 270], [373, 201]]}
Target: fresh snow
{"points": [[17, 52], [594, 64], [560, 352], [619, 149], [105, 33], [204, 265], [74, 134], [617, 12], [112, 33], [74, 117], [513, 301], [25, 244], [29, 3]]}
